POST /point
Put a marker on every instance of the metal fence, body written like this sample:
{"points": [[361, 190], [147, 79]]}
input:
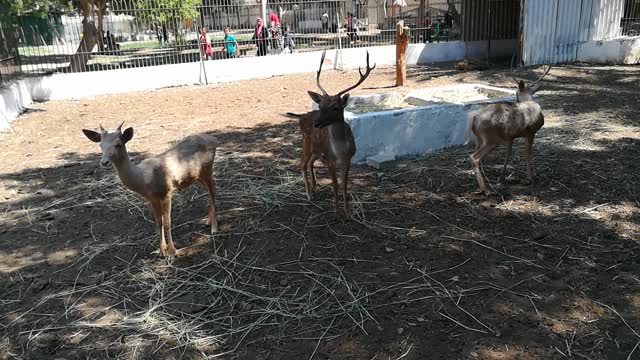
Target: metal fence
{"points": [[630, 22], [138, 33], [9, 59]]}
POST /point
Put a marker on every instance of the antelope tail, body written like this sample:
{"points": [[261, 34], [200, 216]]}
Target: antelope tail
{"points": [[469, 128]]}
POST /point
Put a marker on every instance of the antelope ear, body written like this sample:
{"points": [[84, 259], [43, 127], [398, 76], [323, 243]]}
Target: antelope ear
{"points": [[345, 100], [521, 85], [92, 135], [127, 135], [315, 96]]}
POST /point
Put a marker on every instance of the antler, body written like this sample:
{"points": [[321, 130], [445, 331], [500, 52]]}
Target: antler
{"points": [[120, 126], [319, 71], [102, 129], [513, 75], [363, 77], [543, 75]]}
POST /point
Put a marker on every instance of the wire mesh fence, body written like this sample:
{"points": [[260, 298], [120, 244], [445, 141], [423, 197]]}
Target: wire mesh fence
{"points": [[631, 19], [137, 33]]}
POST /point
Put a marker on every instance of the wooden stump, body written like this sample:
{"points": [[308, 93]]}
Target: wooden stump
{"points": [[402, 43]]}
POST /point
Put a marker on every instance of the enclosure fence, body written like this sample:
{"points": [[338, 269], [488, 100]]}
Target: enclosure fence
{"points": [[631, 20], [139, 33], [9, 60]]}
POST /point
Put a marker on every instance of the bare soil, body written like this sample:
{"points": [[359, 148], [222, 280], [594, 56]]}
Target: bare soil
{"points": [[428, 268]]}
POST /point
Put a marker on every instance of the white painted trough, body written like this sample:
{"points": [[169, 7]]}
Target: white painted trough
{"points": [[395, 125]]}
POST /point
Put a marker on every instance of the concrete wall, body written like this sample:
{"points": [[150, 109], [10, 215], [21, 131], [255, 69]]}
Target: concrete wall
{"points": [[414, 131], [617, 51], [15, 98]]}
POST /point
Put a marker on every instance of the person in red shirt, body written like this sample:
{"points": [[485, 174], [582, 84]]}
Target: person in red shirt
{"points": [[205, 45]]}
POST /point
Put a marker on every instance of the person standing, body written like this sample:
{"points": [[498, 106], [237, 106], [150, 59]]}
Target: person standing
{"points": [[325, 22], [261, 36], [230, 44]]}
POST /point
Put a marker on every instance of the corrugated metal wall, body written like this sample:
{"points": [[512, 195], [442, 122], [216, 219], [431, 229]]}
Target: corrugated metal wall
{"points": [[567, 31], [490, 19], [552, 29], [605, 19]]}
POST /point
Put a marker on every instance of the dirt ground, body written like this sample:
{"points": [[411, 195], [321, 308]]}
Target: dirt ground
{"points": [[428, 268]]}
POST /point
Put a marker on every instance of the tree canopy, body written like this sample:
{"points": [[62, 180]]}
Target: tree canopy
{"points": [[164, 11], [19, 7]]}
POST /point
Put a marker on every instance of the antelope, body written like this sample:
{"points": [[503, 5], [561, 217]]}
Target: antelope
{"points": [[156, 178], [327, 137], [502, 122]]}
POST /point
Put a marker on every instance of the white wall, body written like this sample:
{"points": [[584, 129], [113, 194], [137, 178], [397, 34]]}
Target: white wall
{"points": [[78, 85], [617, 51]]}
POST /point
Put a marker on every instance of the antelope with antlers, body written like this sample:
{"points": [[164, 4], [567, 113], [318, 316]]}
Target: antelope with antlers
{"points": [[158, 177], [502, 122], [327, 137]]}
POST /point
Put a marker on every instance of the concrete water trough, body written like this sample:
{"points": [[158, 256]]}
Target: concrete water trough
{"points": [[404, 124]]}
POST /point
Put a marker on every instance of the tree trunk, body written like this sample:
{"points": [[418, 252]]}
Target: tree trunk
{"points": [[101, 6], [402, 43], [81, 58]]}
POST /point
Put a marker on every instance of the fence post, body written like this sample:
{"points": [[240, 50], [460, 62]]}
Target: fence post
{"points": [[264, 11], [402, 43]]}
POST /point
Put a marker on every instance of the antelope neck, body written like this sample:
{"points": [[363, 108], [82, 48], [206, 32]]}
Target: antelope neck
{"points": [[129, 173]]}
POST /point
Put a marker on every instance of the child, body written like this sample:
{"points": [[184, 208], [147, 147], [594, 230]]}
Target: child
{"points": [[230, 44], [205, 45], [288, 39]]}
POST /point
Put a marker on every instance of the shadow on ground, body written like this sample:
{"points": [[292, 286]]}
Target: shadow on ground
{"points": [[428, 268]]}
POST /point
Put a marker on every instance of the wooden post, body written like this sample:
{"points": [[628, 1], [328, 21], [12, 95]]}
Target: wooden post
{"points": [[402, 43]]}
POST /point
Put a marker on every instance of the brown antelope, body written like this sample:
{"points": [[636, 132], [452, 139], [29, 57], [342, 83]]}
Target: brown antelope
{"points": [[502, 122], [158, 177], [327, 137]]}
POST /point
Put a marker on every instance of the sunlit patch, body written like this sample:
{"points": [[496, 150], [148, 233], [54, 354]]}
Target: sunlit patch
{"points": [[559, 326], [502, 352], [111, 317], [529, 205], [76, 337], [61, 257], [586, 146], [612, 131], [507, 309], [585, 310], [7, 350], [634, 301], [616, 217], [19, 259], [91, 307], [629, 79]]}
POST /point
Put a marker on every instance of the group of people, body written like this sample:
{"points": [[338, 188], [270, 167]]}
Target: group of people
{"points": [[272, 36], [264, 37], [229, 48]]}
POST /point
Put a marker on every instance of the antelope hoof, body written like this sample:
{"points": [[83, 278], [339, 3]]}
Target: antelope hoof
{"points": [[170, 254], [214, 228], [309, 196]]}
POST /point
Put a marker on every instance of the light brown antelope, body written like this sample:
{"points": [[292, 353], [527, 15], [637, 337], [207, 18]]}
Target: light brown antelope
{"points": [[502, 122], [327, 137], [158, 177]]}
